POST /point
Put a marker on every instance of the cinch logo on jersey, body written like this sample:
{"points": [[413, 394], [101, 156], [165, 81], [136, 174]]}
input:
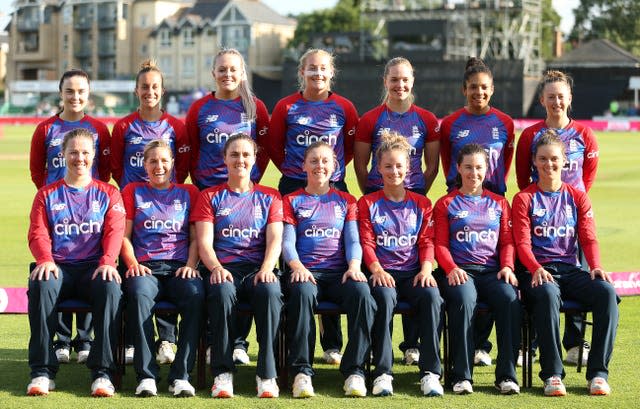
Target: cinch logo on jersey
{"points": [[184, 149], [593, 154], [59, 161], [493, 153], [554, 231], [217, 137], [154, 224], [74, 229], [306, 139], [571, 165], [250, 233], [330, 232], [387, 240], [137, 161], [472, 236]]}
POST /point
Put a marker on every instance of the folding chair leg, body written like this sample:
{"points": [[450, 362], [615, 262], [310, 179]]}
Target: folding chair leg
{"points": [[583, 330]]}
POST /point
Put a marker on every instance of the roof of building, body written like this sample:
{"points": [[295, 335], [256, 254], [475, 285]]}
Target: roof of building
{"points": [[257, 11], [596, 54]]}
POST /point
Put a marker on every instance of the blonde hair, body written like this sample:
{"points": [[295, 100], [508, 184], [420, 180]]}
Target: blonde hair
{"points": [[77, 133], [552, 76], [549, 137], [246, 95], [149, 65], [155, 144], [390, 64], [303, 62], [391, 141]]}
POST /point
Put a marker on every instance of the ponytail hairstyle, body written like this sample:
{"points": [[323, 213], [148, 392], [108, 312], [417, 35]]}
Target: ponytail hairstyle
{"points": [[549, 137], [475, 66], [468, 150], [551, 76], [303, 62], [246, 95], [149, 65], [237, 137], [391, 141], [73, 72], [155, 144], [392, 63]]}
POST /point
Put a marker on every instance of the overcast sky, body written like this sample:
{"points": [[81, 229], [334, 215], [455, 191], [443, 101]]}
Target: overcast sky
{"points": [[564, 8]]}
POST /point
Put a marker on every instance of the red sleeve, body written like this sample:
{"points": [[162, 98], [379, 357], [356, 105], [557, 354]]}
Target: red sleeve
{"points": [[587, 229], [352, 208], [104, 147], [367, 238], [509, 148], [183, 149], [277, 132], [349, 129], [522, 230], [275, 210], [591, 157], [262, 128], [289, 216], [38, 154], [202, 211], [117, 148], [113, 232], [445, 144], [193, 133], [431, 122], [128, 199], [425, 235], [364, 130], [441, 221], [194, 196], [523, 158], [39, 238], [505, 240]]}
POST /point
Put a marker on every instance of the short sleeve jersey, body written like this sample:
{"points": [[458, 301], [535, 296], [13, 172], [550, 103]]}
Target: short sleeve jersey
{"points": [[160, 220], [239, 221], [319, 222], [210, 122], [418, 125]]}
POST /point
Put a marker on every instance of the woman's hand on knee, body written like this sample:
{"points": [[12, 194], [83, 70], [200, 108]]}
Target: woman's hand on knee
{"points": [[541, 276], [507, 274], [302, 275], [187, 272], [43, 270], [599, 272], [107, 273], [137, 270], [219, 275], [457, 276]]}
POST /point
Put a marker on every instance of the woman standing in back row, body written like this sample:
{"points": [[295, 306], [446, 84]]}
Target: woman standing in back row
{"points": [[315, 113], [478, 122], [398, 113], [579, 171], [47, 165]]}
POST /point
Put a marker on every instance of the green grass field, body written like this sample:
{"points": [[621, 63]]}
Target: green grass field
{"points": [[613, 195]]}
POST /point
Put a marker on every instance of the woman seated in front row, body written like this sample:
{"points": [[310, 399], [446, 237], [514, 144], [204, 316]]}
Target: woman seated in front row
{"points": [[160, 257], [550, 217], [77, 225], [239, 231], [396, 236], [474, 249], [322, 249]]}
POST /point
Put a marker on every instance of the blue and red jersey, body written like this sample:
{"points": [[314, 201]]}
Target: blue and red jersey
{"points": [[399, 235], [132, 133], [548, 225], [160, 220], [210, 122], [319, 221], [239, 221], [581, 148], [418, 125], [72, 225], [46, 160], [296, 123], [493, 131], [473, 230]]}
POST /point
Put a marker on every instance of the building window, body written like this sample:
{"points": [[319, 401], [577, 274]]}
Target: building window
{"points": [[188, 66], [187, 37], [166, 65], [65, 42], [144, 20], [165, 38], [144, 49]]}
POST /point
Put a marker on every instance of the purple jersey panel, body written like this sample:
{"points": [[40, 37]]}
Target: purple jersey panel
{"points": [[309, 122]]}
